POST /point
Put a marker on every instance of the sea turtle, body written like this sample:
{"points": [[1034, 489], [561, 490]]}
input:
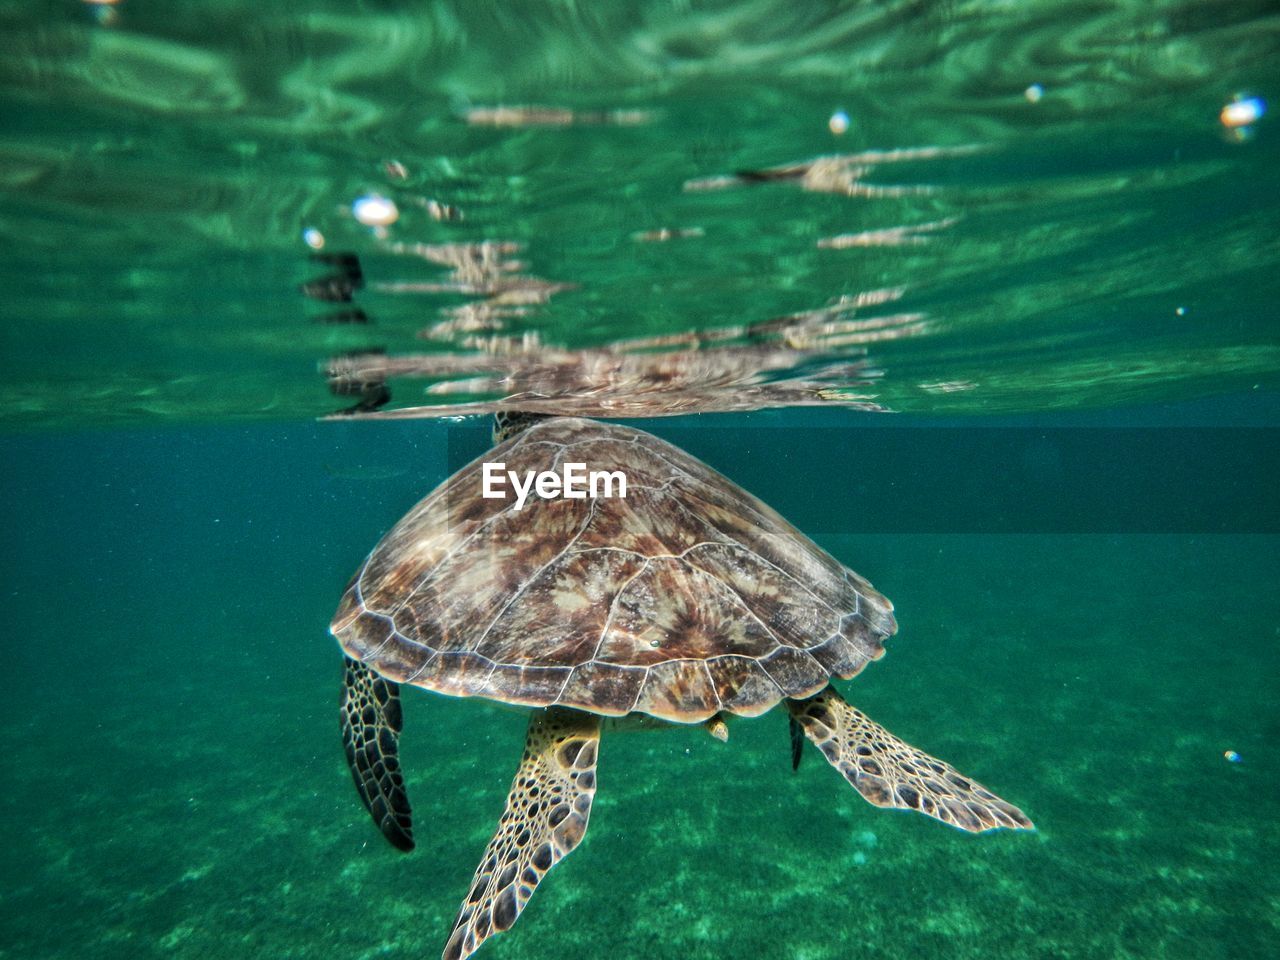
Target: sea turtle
{"points": [[686, 600]]}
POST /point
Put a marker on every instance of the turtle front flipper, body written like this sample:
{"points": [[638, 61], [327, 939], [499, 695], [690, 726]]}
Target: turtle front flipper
{"points": [[892, 773], [371, 722], [546, 817], [797, 743]]}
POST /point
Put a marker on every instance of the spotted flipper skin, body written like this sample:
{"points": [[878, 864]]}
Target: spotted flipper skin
{"points": [[371, 722], [891, 773], [545, 818]]}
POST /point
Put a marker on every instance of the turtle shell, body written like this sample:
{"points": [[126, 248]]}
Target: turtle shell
{"points": [[684, 598]]}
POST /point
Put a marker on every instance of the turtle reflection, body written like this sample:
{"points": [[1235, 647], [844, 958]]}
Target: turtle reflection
{"points": [[812, 358]]}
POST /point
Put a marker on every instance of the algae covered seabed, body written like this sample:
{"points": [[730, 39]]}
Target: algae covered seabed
{"points": [[175, 785]]}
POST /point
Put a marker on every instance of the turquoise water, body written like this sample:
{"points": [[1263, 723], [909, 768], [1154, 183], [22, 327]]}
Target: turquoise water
{"points": [[1059, 346], [176, 786]]}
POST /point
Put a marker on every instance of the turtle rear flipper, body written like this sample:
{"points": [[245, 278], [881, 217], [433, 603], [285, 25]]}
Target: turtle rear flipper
{"points": [[891, 773], [371, 722], [546, 817]]}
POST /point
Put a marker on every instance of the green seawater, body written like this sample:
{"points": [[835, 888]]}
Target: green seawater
{"points": [[1066, 490]]}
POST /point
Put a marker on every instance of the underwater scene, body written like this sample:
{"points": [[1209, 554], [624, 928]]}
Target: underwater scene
{"points": [[916, 594]]}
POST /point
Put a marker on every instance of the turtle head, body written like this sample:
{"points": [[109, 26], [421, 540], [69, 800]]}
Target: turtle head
{"points": [[507, 423]]}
